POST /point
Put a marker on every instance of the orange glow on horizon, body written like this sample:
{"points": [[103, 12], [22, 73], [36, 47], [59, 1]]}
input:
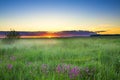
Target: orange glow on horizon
{"points": [[112, 31], [50, 35], [55, 35], [47, 35]]}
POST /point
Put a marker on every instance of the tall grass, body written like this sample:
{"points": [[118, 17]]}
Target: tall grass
{"points": [[48, 59]]}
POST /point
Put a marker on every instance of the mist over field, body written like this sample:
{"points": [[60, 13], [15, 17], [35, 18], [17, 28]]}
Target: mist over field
{"points": [[61, 59]]}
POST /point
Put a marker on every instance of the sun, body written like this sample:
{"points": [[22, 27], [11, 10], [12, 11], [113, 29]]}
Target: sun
{"points": [[49, 36]]}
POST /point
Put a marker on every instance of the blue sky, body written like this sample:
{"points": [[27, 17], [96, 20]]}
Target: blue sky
{"points": [[93, 6], [55, 15]]}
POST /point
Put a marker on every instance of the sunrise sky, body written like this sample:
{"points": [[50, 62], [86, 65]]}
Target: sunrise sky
{"points": [[59, 15]]}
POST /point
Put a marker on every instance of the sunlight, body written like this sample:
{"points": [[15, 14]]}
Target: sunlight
{"points": [[49, 36]]}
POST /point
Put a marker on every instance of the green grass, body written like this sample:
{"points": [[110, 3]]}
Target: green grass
{"points": [[28, 55]]}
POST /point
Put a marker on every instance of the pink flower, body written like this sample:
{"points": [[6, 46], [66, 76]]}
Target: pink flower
{"points": [[64, 68], [58, 68], [9, 66], [74, 72]]}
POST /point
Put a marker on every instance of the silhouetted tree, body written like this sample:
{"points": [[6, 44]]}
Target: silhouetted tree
{"points": [[12, 35]]}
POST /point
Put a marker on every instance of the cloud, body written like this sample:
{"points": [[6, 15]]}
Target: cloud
{"points": [[38, 34], [100, 31], [114, 30]]}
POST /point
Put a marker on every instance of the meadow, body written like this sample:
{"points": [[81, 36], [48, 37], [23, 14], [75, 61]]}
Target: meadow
{"points": [[95, 58]]}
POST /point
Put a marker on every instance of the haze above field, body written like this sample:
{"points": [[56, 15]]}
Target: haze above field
{"points": [[60, 15]]}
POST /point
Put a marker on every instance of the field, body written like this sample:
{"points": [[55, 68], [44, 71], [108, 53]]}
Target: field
{"points": [[95, 58]]}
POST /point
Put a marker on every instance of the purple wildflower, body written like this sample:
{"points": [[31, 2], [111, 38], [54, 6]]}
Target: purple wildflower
{"points": [[58, 68], [67, 68], [74, 72], [9, 66], [63, 68]]}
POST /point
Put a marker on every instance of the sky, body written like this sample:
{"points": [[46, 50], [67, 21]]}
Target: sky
{"points": [[59, 15]]}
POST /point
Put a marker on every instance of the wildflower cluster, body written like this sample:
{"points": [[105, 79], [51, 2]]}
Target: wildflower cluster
{"points": [[10, 66], [63, 68], [74, 71]]}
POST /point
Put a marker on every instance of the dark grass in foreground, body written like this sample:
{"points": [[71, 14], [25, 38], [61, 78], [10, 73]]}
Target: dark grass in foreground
{"points": [[61, 59]]}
